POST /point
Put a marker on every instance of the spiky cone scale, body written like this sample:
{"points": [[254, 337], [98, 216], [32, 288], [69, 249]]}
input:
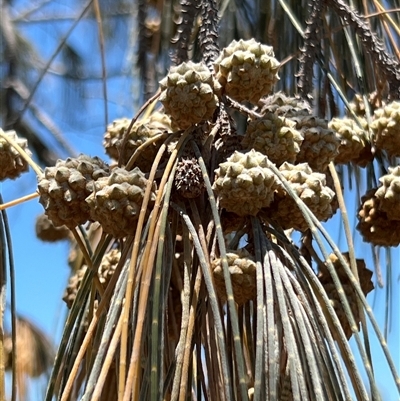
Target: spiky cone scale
{"points": [[352, 139], [275, 137], [365, 282], [12, 165], [247, 70], [46, 231], [242, 269], [64, 188], [374, 224], [282, 105], [188, 181], [389, 193], [244, 183], [140, 132], [312, 190], [117, 201], [386, 126], [189, 94], [320, 144]]}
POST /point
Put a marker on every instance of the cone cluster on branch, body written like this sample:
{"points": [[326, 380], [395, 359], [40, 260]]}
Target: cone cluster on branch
{"points": [[386, 128], [242, 269], [12, 164], [116, 201], [238, 167], [282, 131], [244, 183], [142, 131], [189, 94], [364, 276], [374, 224], [105, 272], [311, 188], [247, 70], [64, 188], [48, 232]]}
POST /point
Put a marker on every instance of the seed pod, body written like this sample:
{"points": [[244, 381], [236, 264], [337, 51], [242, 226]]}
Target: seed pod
{"points": [[389, 193], [189, 94], [386, 126], [244, 183], [46, 231], [311, 188], [108, 265], [73, 285], [242, 269], [189, 181], [352, 139], [141, 131], [247, 70], [64, 188], [105, 272], [117, 201], [282, 105], [358, 105], [366, 285], [374, 224], [320, 144], [11, 162], [275, 137]]}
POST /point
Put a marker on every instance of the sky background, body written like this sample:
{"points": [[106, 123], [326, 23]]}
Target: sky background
{"points": [[41, 268]]}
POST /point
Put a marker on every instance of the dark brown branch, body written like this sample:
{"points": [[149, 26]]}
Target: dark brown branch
{"points": [[387, 64], [182, 40], [208, 35], [312, 42]]}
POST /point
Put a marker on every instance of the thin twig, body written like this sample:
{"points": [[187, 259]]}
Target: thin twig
{"points": [[5, 228], [387, 64], [18, 201], [52, 58]]}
